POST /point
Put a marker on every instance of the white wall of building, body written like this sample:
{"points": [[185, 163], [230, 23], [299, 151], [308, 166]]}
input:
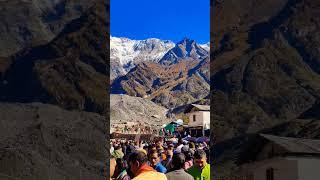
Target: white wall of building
{"points": [[284, 169], [202, 118], [309, 168]]}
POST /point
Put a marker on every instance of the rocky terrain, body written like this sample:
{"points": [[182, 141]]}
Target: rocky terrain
{"points": [[70, 70], [32, 23], [180, 77], [264, 73], [124, 108], [53, 52], [41, 141]]}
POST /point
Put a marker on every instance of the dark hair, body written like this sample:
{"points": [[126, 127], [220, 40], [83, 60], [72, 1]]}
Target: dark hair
{"points": [[189, 155], [121, 164], [153, 152], [191, 145], [199, 154], [139, 156], [117, 147], [170, 146], [178, 161]]}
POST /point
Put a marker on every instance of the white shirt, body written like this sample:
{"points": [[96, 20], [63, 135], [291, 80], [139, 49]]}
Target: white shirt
{"points": [[178, 150]]}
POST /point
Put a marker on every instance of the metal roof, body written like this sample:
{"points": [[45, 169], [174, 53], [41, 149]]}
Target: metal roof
{"points": [[197, 107], [295, 145]]}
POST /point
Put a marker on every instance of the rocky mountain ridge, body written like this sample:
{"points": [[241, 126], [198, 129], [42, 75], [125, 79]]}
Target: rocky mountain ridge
{"points": [[264, 74], [126, 53], [181, 77], [71, 70]]}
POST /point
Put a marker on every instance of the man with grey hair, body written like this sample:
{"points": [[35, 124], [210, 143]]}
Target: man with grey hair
{"points": [[177, 172]]}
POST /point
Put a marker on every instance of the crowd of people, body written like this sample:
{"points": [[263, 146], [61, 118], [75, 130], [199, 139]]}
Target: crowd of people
{"points": [[159, 160]]}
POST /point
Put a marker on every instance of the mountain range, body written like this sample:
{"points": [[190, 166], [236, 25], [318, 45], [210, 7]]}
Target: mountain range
{"points": [[264, 73], [69, 70], [126, 53], [178, 77], [53, 53]]}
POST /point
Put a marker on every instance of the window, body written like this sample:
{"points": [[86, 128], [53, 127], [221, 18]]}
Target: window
{"points": [[194, 118], [269, 173]]}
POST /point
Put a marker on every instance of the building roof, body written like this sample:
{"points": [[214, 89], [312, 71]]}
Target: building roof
{"points": [[196, 107], [295, 145], [255, 143]]}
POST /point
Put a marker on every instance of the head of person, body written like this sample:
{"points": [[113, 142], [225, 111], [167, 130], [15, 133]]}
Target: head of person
{"points": [[136, 160], [159, 143], [154, 158], [191, 145], [178, 161], [188, 154], [118, 148], [113, 164], [169, 151], [120, 166], [184, 149], [163, 155], [200, 158]]}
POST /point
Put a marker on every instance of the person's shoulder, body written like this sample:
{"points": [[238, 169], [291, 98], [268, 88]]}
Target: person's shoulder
{"points": [[207, 167], [188, 176], [161, 175], [161, 166], [151, 175], [192, 168]]}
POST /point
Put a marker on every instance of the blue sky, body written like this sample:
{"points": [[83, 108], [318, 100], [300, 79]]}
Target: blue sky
{"points": [[164, 19]]}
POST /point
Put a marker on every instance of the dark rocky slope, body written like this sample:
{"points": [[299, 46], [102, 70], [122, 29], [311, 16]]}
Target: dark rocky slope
{"points": [[55, 52], [265, 73], [70, 70], [40, 141]]}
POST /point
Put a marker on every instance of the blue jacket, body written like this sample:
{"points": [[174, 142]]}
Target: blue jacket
{"points": [[160, 168]]}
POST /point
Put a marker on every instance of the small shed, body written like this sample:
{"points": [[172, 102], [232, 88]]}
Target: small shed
{"points": [[199, 119], [273, 157]]}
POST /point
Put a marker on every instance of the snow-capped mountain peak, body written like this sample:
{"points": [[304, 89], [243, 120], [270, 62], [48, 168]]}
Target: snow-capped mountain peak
{"points": [[206, 46], [125, 52]]}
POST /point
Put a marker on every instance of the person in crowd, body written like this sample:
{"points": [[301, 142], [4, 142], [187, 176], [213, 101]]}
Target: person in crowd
{"points": [[163, 156], [112, 167], [201, 169], [124, 148], [117, 153], [120, 172], [192, 147], [169, 154], [155, 162], [130, 148], [189, 159], [138, 165], [180, 145], [177, 172]]}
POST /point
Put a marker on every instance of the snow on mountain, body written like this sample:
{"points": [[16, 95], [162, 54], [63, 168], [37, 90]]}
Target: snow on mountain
{"points": [[206, 46], [125, 53]]}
